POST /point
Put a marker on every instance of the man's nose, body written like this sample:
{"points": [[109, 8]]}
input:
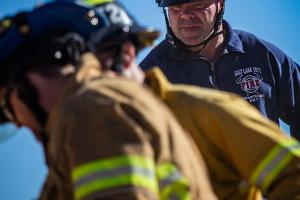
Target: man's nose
{"points": [[187, 12]]}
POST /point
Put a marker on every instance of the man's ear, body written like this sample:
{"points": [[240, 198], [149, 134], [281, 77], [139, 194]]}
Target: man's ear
{"points": [[128, 54], [221, 5]]}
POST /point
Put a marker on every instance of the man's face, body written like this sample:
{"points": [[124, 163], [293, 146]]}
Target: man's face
{"points": [[193, 22], [50, 88], [106, 53]]}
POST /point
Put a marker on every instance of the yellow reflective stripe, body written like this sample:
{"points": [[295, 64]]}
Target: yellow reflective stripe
{"points": [[172, 184], [276, 170], [6, 23], [97, 2], [296, 151], [111, 163], [274, 162], [264, 163], [164, 170], [175, 191], [124, 180], [114, 172]]}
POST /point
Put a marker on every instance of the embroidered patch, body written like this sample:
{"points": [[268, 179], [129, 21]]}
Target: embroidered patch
{"points": [[250, 81]]}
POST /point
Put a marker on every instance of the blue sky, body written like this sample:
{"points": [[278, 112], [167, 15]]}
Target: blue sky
{"points": [[22, 168]]}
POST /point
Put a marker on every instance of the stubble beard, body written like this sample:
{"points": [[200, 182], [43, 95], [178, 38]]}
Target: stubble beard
{"points": [[193, 32]]}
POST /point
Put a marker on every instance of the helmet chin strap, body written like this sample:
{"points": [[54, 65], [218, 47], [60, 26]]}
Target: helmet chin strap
{"points": [[117, 65], [179, 44]]}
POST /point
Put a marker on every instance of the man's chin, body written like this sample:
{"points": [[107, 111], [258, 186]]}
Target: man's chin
{"points": [[191, 41]]}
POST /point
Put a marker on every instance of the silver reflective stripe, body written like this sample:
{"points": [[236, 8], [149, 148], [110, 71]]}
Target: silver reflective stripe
{"points": [[279, 157], [113, 173], [174, 197], [273, 163], [172, 184], [172, 178]]}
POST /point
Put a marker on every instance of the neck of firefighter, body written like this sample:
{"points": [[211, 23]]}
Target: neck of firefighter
{"points": [[131, 68], [213, 48], [134, 72]]}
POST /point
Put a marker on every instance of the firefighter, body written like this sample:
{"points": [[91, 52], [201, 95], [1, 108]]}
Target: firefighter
{"points": [[203, 49], [246, 154], [105, 137]]}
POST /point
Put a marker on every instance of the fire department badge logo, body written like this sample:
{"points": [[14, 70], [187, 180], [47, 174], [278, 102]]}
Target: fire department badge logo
{"points": [[250, 83]]}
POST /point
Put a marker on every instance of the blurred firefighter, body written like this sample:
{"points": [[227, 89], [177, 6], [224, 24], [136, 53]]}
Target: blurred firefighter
{"points": [[104, 138]]}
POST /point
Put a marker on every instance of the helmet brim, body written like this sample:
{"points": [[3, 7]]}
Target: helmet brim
{"points": [[143, 37], [166, 3]]}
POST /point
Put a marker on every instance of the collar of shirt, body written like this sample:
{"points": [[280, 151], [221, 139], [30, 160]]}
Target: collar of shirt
{"points": [[232, 41]]}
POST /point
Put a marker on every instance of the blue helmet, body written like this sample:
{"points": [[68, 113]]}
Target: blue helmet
{"points": [[167, 3], [25, 27], [58, 31], [83, 17]]}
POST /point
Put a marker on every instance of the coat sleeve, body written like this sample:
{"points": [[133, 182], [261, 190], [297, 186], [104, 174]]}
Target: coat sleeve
{"points": [[237, 142], [254, 145], [287, 76], [289, 94], [108, 154]]}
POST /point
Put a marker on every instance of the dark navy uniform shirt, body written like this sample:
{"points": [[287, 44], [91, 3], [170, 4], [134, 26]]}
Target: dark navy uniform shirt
{"points": [[253, 68]]}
